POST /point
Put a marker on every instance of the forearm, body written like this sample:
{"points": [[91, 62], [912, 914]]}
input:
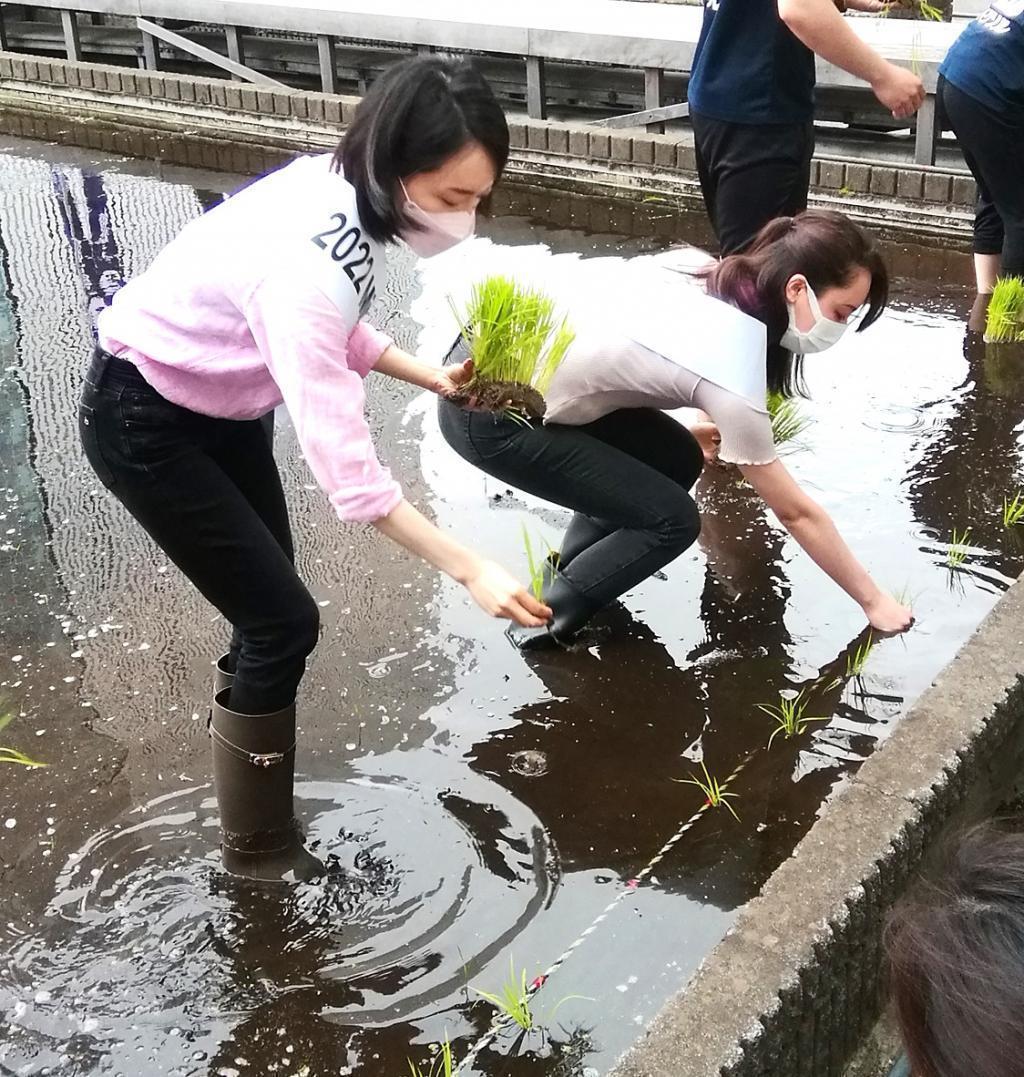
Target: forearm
{"points": [[819, 537], [408, 527], [399, 364], [820, 26]]}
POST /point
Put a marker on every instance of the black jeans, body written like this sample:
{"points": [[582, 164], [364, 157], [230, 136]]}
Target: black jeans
{"points": [[993, 147], [209, 494], [627, 477], [750, 174]]}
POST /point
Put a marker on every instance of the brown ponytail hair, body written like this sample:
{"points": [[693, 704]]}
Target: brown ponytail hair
{"points": [[824, 246]]}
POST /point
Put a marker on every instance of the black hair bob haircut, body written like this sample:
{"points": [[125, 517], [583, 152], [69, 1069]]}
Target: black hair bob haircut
{"points": [[414, 117]]}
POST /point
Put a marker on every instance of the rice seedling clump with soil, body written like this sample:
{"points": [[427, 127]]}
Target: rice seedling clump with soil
{"points": [[516, 343], [1005, 320]]}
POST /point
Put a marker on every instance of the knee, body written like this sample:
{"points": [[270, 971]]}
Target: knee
{"points": [[300, 630], [680, 525]]}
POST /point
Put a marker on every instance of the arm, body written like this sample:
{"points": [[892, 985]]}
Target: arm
{"points": [[491, 587], [399, 364], [703, 428], [819, 25], [813, 528], [325, 399]]}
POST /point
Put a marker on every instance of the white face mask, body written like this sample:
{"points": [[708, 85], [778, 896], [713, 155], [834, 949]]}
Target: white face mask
{"points": [[439, 231], [823, 334]]}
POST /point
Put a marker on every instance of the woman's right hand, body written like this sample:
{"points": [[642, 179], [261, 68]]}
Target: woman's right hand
{"points": [[498, 594], [887, 615]]}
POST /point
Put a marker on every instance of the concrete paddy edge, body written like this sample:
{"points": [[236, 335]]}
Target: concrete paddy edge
{"points": [[797, 984], [231, 126]]}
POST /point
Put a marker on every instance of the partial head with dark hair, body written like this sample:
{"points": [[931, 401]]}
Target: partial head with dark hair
{"points": [[956, 953], [429, 131], [819, 248]]}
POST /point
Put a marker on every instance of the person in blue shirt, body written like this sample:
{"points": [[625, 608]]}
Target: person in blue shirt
{"points": [[751, 96], [981, 90]]}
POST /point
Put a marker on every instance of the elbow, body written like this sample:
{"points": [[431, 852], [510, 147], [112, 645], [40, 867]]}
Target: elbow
{"points": [[792, 14], [792, 520], [797, 515]]}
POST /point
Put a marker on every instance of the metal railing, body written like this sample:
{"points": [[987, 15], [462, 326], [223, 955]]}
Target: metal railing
{"points": [[648, 38]]}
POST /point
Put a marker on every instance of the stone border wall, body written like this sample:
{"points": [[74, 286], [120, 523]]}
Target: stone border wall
{"points": [[231, 126], [795, 986]]}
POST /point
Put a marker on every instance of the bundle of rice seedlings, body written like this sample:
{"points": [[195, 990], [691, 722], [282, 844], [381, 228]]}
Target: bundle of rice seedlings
{"points": [[516, 344], [788, 421], [1005, 319]]}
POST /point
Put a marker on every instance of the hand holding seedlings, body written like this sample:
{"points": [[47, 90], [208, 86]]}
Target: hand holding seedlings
{"points": [[491, 587], [885, 614], [451, 381], [498, 594]]}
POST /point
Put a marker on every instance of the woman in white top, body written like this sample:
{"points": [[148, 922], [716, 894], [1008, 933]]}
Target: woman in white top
{"points": [[654, 335]]}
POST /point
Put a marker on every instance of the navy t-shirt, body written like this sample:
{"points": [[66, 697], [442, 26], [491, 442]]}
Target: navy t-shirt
{"points": [[987, 60], [749, 67]]}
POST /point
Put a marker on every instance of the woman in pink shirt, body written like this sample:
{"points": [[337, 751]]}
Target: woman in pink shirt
{"points": [[261, 301]]}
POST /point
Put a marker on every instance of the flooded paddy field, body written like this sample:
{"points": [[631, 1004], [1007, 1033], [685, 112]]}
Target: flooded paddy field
{"points": [[487, 808]]}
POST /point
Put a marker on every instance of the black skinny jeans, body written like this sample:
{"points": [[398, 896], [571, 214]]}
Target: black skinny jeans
{"points": [[627, 477], [993, 147], [209, 494]]}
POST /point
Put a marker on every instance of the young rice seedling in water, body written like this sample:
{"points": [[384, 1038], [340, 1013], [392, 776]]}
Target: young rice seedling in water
{"points": [[538, 567], [788, 715], [513, 1000], [1013, 511], [441, 1065], [713, 792], [12, 755], [856, 662], [957, 553]]}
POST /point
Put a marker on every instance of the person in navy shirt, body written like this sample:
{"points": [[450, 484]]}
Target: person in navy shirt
{"points": [[981, 88], [751, 98]]}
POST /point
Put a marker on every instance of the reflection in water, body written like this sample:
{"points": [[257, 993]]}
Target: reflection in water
{"points": [[507, 803], [88, 228], [971, 461], [145, 913]]}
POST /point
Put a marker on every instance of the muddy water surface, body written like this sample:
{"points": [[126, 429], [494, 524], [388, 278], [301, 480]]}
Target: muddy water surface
{"points": [[485, 809]]}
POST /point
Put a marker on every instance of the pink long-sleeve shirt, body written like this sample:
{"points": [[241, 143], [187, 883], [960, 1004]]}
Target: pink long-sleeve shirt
{"points": [[259, 301]]}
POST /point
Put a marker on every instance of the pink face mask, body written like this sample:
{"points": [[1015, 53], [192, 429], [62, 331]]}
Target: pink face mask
{"points": [[438, 231]]}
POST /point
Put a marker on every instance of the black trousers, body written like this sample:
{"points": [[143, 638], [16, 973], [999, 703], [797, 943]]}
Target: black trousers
{"points": [[627, 477], [993, 147], [209, 493], [750, 174]]}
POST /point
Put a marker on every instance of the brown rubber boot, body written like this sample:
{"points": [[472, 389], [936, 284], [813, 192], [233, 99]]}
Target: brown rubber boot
{"points": [[253, 775]]}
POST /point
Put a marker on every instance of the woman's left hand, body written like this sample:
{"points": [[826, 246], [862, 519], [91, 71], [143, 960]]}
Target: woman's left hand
{"points": [[451, 379], [708, 438]]}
